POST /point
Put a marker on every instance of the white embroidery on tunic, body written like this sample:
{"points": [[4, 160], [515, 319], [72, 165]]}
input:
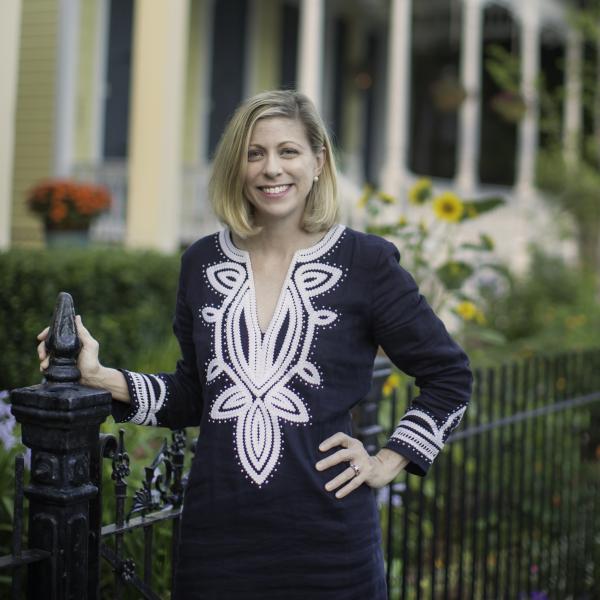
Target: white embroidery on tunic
{"points": [[427, 441], [259, 373], [148, 402]]}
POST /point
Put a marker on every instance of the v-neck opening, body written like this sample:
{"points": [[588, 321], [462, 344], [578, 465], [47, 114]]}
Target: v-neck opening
{"points": [[264, 334], [314, 251]]}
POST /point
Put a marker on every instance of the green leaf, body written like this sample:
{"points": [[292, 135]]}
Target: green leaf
{"points": [[382, 230], [486, 241], [470, 465], [486, 244], [474, 208], [7, 505], [491, 336], [429, 489], [500, 269], [454, 273]]}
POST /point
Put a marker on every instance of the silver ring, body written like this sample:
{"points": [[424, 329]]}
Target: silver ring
{"points": [[356, 469]]}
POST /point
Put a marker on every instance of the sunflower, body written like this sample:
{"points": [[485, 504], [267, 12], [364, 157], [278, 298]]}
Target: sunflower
{"points": [[448, 207], [420, 191], [386, 198], [391, 383], [469, 312]]}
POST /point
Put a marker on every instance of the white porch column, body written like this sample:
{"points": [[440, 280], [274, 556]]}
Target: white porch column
{"points": [[101, 59], [393, 178], [470, 111], [528, 128], [155, 165], [573, 95], [10, 30], [66, 88], [310, 51]]}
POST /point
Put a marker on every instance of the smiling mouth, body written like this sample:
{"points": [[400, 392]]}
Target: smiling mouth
{"points": [[274, 190]]}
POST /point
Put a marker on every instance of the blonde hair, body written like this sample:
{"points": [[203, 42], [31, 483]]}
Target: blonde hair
{"points": [[231, 160]]}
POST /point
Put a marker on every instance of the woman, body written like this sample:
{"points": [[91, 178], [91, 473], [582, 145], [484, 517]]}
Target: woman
{"points": [[279, 317]]}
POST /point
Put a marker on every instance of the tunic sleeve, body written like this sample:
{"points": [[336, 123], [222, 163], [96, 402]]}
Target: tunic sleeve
{"points": [[172, 400], [417, 342]]}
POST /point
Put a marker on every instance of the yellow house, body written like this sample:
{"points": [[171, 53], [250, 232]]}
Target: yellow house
{"points": [[135, 93]]}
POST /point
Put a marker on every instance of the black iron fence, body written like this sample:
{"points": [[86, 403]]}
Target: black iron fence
{"points": [[511, 508]]}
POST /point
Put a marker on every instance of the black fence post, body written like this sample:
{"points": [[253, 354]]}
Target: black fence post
{"points": [[60, 422]]}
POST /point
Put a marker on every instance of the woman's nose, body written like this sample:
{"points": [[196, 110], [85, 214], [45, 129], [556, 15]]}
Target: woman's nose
{"points": [[273, 166]]}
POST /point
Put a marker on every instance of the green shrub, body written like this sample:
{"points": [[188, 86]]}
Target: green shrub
{"points": [[551, 308], [126, 299]]}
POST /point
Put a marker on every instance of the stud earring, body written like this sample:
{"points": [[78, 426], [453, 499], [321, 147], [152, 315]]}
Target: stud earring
{"points": [[316, 178]]}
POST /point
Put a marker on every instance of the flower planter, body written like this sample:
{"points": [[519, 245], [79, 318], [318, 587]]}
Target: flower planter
{"points": [[62, 238], [68, 208]]}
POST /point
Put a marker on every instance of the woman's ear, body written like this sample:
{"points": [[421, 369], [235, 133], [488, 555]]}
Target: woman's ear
{"points": [[321, 157]]}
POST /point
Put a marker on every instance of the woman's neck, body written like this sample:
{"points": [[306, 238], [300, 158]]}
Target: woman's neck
{"points": [[283, 239]]}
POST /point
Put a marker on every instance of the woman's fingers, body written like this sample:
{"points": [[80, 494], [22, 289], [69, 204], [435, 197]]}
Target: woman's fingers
{"points": [[352, 452], [87, 361], [87, 340], [41, 349], [344, 477], [43, 356], [335, 459], [354, 483], [82, 332], [337, 439]]}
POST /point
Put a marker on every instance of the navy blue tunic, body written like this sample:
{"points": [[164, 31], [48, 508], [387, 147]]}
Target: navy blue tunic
{"points": [[257, 521]]}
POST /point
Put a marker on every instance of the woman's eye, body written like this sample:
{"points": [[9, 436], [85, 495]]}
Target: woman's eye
{"points": [[254, 154], [289, 152]]}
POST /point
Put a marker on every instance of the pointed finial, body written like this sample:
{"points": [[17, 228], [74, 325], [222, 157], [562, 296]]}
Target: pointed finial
{"points": [[63, 344]]}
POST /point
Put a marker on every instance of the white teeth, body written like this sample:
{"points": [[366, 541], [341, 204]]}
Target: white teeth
{"points": [[275, 190]]}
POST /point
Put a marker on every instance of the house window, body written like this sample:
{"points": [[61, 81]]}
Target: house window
{"points": [[434, 79], [340, 74], [118, 76], [289, 45], [497, 163], [228, 68]]}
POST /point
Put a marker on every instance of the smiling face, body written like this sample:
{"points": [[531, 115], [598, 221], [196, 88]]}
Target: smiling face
{"points": [[281, 170]]}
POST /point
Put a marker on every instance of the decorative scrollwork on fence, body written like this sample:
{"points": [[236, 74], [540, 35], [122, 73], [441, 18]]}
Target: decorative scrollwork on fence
{"points": [[120, 461], [163, 485]]}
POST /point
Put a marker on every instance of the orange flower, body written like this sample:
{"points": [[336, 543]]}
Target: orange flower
{"points": [[68, 204]]}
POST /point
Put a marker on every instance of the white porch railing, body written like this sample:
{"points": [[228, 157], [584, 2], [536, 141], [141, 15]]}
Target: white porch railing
{"points": [[196, 217], [110, 227]]}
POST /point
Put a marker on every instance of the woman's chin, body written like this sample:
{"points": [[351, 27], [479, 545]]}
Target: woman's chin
{"points": [[274, 213]]}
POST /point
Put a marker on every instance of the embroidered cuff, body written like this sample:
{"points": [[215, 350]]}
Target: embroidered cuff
{"points": [[122, 412], [418, 437], [148, 394]]}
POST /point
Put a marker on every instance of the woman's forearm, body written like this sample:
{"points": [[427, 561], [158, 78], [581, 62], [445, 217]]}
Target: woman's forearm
{"points": [[110, 380]]}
